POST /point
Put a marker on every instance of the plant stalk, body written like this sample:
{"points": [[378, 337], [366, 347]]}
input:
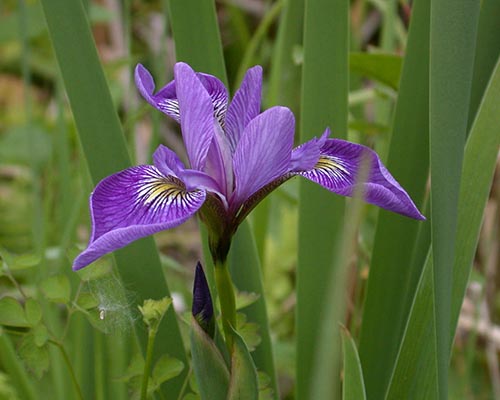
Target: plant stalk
{"points": [[147, 364], [227, 301]]}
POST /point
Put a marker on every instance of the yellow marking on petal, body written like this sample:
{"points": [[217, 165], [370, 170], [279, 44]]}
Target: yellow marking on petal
{"points": [[161, 188], [328, 163]]}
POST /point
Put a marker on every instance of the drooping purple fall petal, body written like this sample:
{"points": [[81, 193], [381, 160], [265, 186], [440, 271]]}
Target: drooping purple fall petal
{"points": [[338, 168], [244, 106], [134, 203], [263, 152]]}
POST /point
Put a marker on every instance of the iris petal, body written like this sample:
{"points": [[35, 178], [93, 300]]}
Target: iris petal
{"points": [[197, 119], [166, 99], [245, 105], [337, 170], [167, 161], [134, 203], [263, 152]]}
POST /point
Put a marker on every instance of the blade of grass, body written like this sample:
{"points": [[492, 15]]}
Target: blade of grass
{"points": [[354, 385], [262, 29], [393, 279], [324, 103], [245, 269], [326, 352], [412, 377], [452, 42], [104, 146], [196, 35], [13, 366], [283, 89], [487, 51]]}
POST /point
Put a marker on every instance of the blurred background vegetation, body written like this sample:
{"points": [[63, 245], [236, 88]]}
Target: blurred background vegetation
{"points": [[44, 181]]}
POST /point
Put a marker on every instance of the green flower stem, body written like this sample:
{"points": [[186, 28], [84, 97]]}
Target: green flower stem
{"points": [[70, 368], [227, 301], [147, 364]]}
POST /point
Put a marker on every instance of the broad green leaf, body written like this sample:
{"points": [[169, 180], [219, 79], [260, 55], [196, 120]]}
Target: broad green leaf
{"points": [[385, 68], [325, 85], [479, 166], [245, 270], [56, 288], [413, 376], [243, 382], [353, 387], [40, 335], [87, 301], [196, 35], [35, 358], [12, 313], [487, 52], [414, 364], [249, 331], [209, 367], [166, 368], [393, 276], [33, 311], [105, 149], [134, 369], [453, 26], [245, 299], [25, 261]]}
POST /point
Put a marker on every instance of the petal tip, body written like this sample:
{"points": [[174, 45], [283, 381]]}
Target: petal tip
{"points": [[144, 81]]}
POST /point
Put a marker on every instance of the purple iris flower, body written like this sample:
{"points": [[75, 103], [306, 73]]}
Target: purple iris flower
{"points": [[236, 154]]}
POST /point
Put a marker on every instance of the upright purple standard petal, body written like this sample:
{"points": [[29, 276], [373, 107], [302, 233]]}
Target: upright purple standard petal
{"points": [[134, 203], [197, 115], [166, 100], [245, 105], [337, 170], [263, 152]]}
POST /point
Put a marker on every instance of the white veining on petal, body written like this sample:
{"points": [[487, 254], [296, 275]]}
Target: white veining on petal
{"points": [[164, 194], [331, 169], [171, 107]]}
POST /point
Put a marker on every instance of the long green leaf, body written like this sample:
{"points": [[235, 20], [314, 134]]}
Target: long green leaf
{"points": [[413, 378], [283, 89], [354, 385], [452, 40], [12, 365], [210, 370], [487, 51], [243, 383], [196, 35], [393, 278], [325, 83], [245, 270], [105, 150]]}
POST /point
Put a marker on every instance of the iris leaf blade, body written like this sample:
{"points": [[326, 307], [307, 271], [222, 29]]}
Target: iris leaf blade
{"points": [[393, 279], [324, 103], [354, 385], [452, 41], [106, 152], [410, 378]]}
